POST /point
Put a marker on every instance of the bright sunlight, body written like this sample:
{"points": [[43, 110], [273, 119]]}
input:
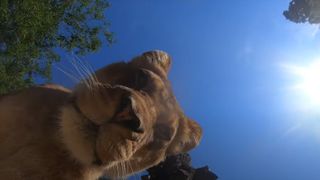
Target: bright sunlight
{"points": [[308, 81]]}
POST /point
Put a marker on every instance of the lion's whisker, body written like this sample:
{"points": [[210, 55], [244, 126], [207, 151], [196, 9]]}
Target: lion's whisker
{"points": [[87, 71], [131, 170], [72, 77], [122, 171], [117, 170], [80, 73], [90, 72], [126, 168]]}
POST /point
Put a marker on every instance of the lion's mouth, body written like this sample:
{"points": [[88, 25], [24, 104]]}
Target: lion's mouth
{"points": [[91, 127], [97, 161]]}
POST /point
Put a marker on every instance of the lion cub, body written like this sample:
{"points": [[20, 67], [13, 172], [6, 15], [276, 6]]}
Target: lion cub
{"points": [[120, 120]]}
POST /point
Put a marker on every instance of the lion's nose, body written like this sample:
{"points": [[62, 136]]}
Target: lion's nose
{"points": [[134, 125]]}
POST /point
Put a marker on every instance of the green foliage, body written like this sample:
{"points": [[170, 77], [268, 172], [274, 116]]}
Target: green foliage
{"points": [[301, 11], [31, 31]]}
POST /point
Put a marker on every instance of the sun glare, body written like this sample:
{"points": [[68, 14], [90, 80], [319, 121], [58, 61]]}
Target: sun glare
{"points": [[308, 81]]}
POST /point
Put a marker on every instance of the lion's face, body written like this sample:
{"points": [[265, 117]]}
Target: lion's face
{"points": [[135, 120]]}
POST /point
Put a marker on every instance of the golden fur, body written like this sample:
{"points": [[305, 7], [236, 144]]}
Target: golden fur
{"points": [[121, 120]]}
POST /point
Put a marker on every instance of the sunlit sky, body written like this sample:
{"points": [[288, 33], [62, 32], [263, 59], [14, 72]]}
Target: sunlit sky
{"points": [[244, 72]]}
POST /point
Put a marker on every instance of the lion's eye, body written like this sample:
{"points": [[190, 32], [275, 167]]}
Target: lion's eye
{"points": [[125, 103], [141, 79]]}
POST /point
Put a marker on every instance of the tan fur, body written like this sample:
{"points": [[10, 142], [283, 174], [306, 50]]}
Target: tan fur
{"points": [[125, 121]]}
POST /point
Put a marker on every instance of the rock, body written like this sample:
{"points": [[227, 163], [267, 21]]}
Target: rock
{"points": [[204, 173], [178, 168]]}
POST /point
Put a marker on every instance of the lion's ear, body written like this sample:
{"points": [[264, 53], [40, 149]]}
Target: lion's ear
{"points": [[156, 58], [187, 137], [160, 58]]}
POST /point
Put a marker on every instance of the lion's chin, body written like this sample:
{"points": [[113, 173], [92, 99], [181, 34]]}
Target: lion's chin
{"points": [[120, 169]]}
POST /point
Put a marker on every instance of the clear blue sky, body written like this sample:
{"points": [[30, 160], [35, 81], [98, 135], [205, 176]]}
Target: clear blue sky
{"points": [[228, 74]]}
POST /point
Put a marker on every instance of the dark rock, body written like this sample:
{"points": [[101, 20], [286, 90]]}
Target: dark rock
{"points": [[178, 168], [204, 173]]}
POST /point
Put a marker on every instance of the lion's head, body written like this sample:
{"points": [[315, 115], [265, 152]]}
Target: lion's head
{"points": [[127, 119]]}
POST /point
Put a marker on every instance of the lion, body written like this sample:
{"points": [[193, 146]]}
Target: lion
{"points": [[120, 120]]}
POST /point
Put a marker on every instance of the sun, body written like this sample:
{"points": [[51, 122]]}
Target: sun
{"points": [[302, 96], [307, 81]]}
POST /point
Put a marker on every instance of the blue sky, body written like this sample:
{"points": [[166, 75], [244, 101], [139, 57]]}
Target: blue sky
{"points": [[228, 73]]}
